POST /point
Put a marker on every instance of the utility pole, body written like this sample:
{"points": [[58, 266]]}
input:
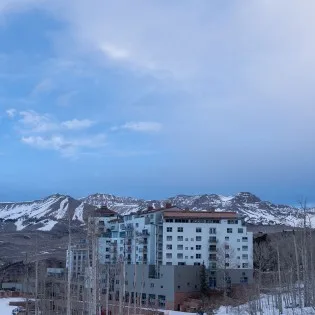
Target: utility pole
{"points": [[69, 267], [36, 275], [94, 289]]}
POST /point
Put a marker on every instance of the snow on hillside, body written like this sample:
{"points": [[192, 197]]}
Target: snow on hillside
{"points": [[5, 308], [45, 213], [269, 307], [254, 210]]}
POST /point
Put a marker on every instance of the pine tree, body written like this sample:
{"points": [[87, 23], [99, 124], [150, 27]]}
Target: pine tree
{"points": [[203, 281]]}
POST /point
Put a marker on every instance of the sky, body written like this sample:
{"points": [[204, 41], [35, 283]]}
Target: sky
{"points": [[156, 98]]}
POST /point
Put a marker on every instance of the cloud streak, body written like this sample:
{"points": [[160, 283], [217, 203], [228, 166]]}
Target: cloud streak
{"points": [[141, 126], [66, 146]]}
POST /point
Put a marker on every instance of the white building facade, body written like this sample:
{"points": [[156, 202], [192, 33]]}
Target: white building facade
{"points": [[171, 236]]}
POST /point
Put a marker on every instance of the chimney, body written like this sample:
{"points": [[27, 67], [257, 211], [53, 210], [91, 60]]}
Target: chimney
{"points": [[168, 205]]}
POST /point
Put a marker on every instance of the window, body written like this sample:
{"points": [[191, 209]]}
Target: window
{"points": [[180, 247], [186, 239], [180, 229], [198, 238], [192, 239], [191, 248], [186, 248], [227, 264], [238, 249], [152, 285], [240, 230], [227, 246], [212, 248], [192, 257], [238, 257], [186, 257], [212, 257], [137, 224], [244, 247], [245, 239], [180, 255], [245, 265], [169, 229], [180, 238], [197, 263], [232, 221], [161, 299], [238, 240], [169, 246], [244, 256], [107, 256], [227, 238], [198, 230], [212, 239], [198, 247], [227, 255], [169, 263], [229, 230], [212, 231], [244, 280], [168, 255], [169, 238]]}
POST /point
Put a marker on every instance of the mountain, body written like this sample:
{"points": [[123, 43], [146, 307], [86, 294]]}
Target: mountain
{"points": [[44, 215], [53, 212], [254, 210]]}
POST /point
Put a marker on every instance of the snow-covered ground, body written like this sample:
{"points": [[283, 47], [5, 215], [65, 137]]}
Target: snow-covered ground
{"points": [[268, 308], [5, 308]]}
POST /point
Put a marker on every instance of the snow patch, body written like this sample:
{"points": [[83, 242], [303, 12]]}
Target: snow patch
{"points": [[5, 308], [48, 226], [78, 213]]}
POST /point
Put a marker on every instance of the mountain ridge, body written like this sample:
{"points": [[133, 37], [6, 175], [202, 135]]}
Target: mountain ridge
{"points": [[54, 211]]}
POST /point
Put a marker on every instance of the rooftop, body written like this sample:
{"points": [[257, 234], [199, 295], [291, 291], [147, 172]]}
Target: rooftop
{"points": [[200, 214], [104, 212]]}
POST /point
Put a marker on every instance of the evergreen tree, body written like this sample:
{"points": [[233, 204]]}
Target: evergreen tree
{"points": [[203, 280]]}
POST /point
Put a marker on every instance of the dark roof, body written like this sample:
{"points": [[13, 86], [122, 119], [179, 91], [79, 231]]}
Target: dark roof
{"points": [[104, 212], [172, 208], [200, 214]]}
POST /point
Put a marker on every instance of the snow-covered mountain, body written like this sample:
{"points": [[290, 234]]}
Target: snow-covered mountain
{"points": [[250, 206], [53, 212], [43, 214]]}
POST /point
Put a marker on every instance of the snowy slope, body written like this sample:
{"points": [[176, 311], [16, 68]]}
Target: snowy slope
{"points": [[43, 214], [250, 206], [54, 211]]}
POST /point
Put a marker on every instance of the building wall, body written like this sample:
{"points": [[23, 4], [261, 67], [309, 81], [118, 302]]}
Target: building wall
{"points": [[184, 244]]}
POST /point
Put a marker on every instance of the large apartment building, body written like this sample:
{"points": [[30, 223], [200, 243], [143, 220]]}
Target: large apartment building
{"points": [[169, 241], [171, 236]]}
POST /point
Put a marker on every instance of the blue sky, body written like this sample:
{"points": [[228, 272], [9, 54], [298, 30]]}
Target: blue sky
{"points": [[152, 99]]}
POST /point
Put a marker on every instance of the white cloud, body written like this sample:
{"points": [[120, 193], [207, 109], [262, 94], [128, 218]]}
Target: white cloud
{"points": [[11, 112], [77, 124], [114, 52], [66, 146], [141, 126], [32, 121]]}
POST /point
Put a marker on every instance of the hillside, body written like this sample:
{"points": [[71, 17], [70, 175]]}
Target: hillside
{"points": [[53, 212]]}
